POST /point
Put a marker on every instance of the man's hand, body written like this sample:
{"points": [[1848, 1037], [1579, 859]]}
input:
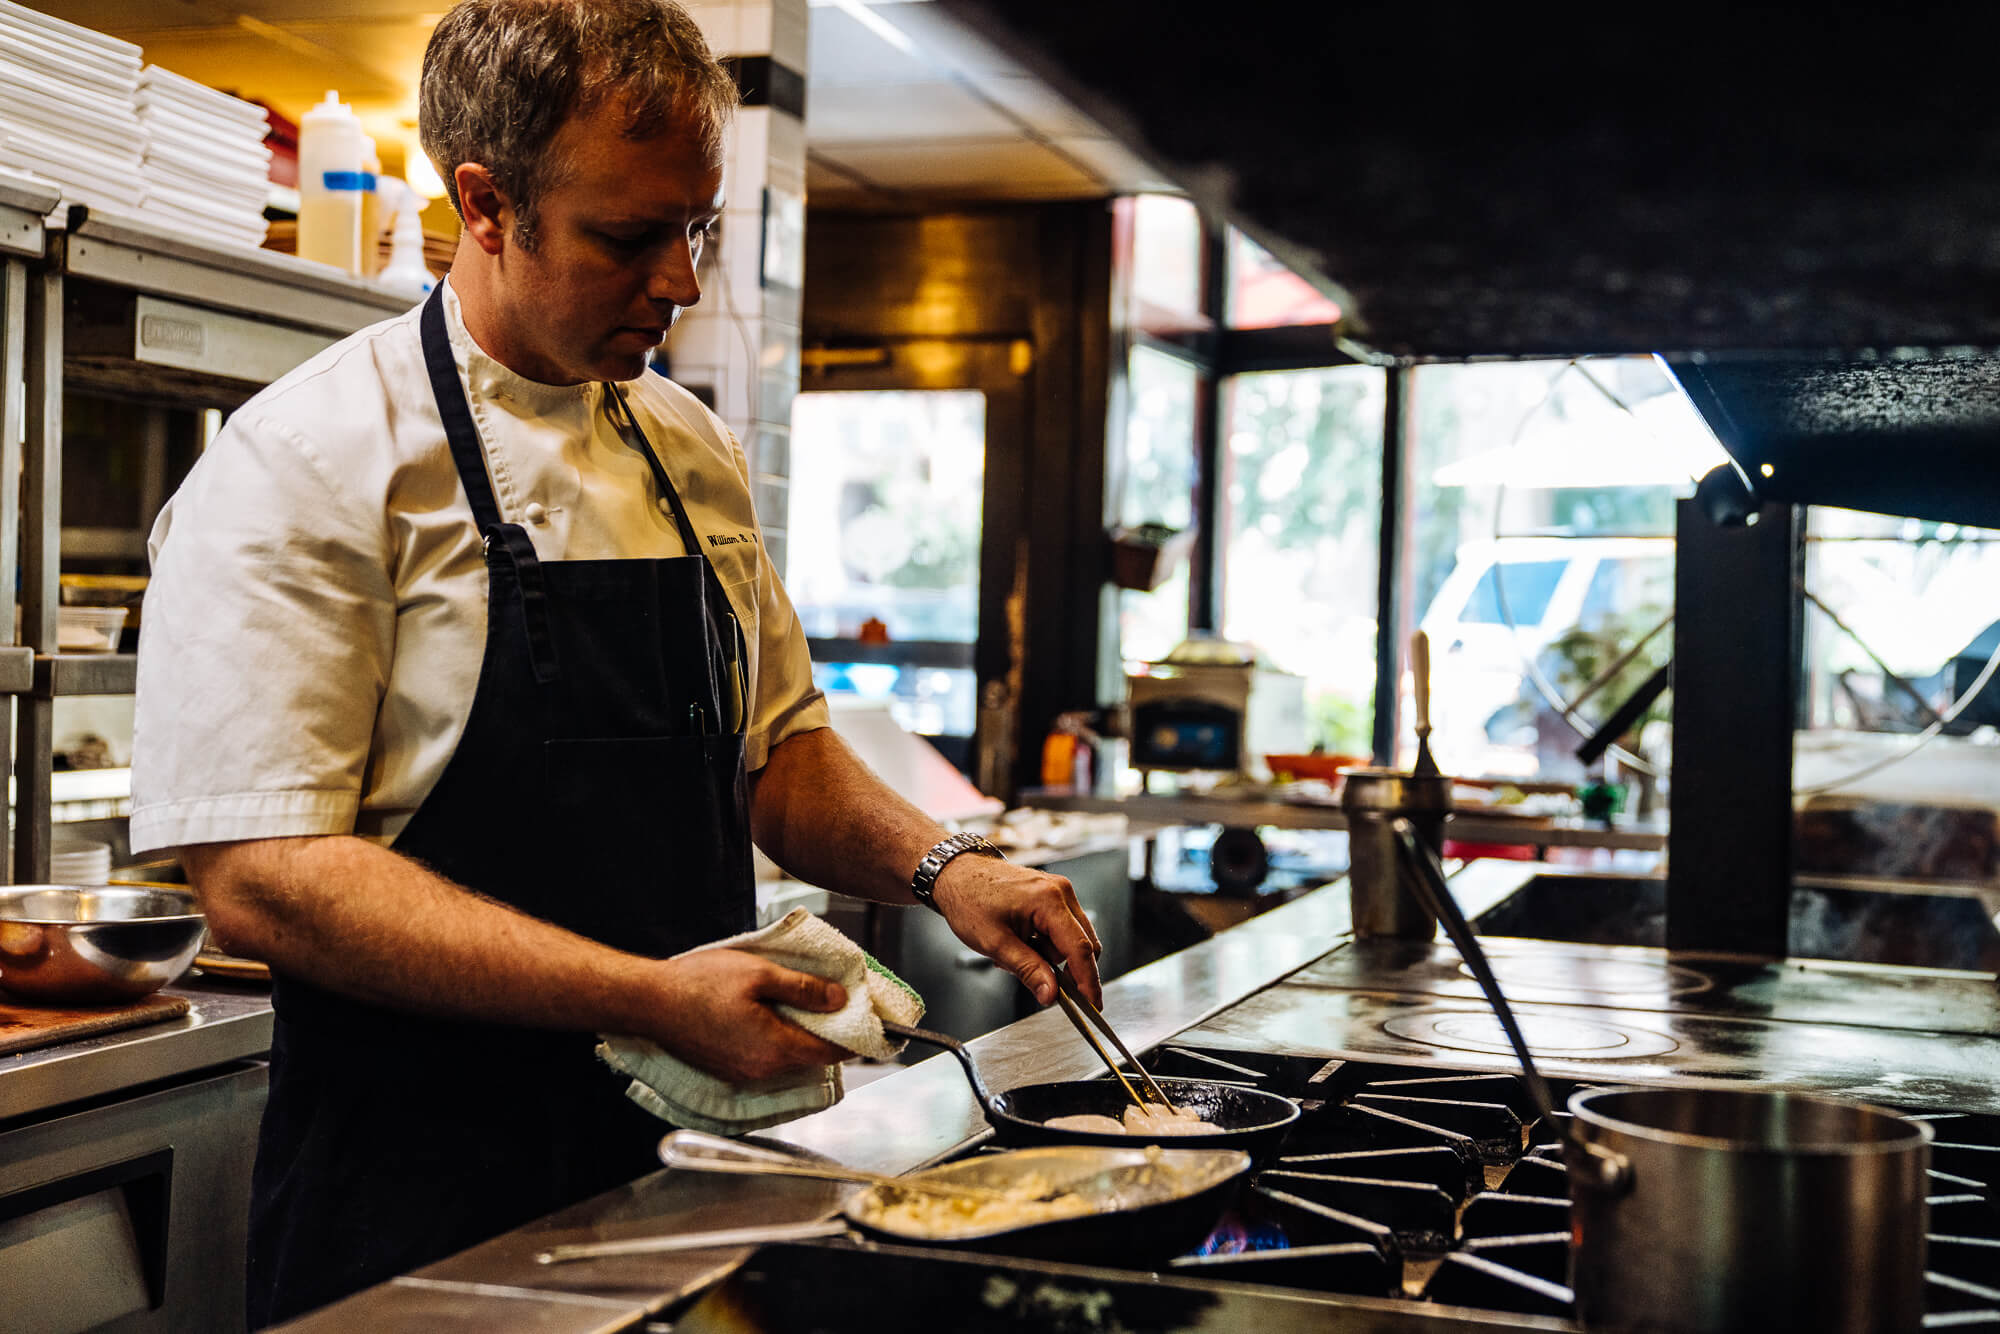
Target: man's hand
{"points": [[1001, 910], [717, 1016]]}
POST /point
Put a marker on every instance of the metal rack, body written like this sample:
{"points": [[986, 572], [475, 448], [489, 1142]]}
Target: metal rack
{"points": [[166, 319]]}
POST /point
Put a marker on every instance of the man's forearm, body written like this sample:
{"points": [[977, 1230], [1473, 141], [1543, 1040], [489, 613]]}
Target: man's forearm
{"points": [[360, 920], [820, 813], [823, 815]]}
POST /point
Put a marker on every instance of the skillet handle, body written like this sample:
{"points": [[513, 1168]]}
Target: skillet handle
{"points": [[694, 1241], [957, 1049]]}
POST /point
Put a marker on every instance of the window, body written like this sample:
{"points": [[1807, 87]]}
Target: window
{"points": [[1918, 608], [1156, 486], [1897, 759], [1540, 551], [1166, 261], [1264, 294], [1301, 525], [1515, 593], [886, 489]]}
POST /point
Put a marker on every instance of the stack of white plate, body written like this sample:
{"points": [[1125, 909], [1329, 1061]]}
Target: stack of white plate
{"points": [[206, 168], [79, 862], [66, 109]]}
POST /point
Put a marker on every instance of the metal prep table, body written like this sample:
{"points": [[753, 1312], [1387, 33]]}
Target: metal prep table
{"points": [[125, 1170]]}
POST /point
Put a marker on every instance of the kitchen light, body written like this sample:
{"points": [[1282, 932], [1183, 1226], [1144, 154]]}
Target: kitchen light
{"points": [[419, 172]]}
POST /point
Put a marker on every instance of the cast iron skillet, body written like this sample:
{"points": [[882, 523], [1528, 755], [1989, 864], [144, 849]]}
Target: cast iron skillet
{"points": [[1150, 1205], [1148, 1223], [1251, 1119]]}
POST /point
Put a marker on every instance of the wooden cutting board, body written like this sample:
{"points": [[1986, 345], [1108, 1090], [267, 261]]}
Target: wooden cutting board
{"points": [[26, 1027]]}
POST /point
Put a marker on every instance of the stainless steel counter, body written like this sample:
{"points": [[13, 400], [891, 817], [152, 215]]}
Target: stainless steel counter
{"points": [[226, 1022], [125, 1170], [1249, 811]]}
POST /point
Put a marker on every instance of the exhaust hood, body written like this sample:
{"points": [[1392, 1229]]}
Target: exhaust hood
{"points": [[1801, 210]]}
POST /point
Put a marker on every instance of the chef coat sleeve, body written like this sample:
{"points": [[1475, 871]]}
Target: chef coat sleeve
{"points": [[266, 640]]}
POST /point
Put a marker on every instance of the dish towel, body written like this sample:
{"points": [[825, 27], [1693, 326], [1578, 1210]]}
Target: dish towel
{"points": [[675, 1091]]}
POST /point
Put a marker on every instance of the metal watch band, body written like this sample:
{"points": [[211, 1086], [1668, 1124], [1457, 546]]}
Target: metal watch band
{"points": [[933, 864]]}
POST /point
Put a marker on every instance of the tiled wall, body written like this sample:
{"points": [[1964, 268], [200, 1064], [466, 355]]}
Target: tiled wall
{"points": [[741, 344]]}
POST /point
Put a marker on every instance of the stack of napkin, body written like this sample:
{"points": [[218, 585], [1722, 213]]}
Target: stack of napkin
{"points": [[695, 1100], [66, 109], [206, 168]]}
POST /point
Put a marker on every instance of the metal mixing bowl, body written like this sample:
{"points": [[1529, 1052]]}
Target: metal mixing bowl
{"points": [[83, 945]]}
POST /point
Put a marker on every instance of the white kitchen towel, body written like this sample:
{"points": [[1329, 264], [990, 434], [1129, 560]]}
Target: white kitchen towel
{"points": [[675, 1091]]}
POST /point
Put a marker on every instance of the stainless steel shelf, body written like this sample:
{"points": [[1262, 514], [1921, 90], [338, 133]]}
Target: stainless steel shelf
{"points": [[62, 674], [151, 314], [17, 670], [279, 289], [23, 204]]}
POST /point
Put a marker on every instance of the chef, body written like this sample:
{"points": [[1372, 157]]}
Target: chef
{"points": [[467, 684]]}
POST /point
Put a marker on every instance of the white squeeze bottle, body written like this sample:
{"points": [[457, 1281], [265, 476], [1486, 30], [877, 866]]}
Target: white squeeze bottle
{"points": [[406, 271], [331, 185]]}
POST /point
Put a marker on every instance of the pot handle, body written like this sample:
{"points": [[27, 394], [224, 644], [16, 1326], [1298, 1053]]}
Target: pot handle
{"points": [[1595, 1167]]}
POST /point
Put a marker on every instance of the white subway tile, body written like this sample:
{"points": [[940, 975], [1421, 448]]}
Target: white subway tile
{"points": [[789, 31], [753, 29], [718, 23]]}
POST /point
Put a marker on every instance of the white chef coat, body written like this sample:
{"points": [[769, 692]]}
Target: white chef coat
{"points": [[317, 614]]}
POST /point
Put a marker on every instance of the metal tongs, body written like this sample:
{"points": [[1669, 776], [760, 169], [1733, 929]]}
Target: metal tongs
{"points": [[1082, 1014]]}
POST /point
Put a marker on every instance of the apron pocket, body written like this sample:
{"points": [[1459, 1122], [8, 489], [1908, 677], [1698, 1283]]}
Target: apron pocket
{"points": [[663, 825]]}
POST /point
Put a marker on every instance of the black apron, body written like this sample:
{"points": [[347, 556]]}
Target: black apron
{"points": [[599, 785]]}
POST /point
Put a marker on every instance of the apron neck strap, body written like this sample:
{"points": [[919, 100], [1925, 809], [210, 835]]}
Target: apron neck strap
{"points": [[470, 459], [459, 430], [622, 413]]}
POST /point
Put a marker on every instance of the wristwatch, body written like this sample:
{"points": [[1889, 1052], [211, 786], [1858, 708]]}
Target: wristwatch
{"points": [[933, 864]]}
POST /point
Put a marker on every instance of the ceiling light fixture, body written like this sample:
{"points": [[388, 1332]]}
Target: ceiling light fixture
{"points": [[417, 169], [876, 24]]}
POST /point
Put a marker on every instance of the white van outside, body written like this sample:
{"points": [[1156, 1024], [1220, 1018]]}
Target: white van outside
{"points": [[1504, 603]]}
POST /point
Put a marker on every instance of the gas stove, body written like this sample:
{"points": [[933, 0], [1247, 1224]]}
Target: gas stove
{"points": [[1438, 1193], [1419, 1189], [1446, 1187]]}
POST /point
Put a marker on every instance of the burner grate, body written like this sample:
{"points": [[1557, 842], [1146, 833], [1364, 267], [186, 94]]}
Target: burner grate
{"points": [[1450, 1188]]}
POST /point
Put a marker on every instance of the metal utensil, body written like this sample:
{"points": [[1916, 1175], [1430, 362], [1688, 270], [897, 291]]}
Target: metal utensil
{"points": [[1420, 688], [1599, 1164], [1076, 1004], [694, 1151], [1378, 888], [1082, 1026]]}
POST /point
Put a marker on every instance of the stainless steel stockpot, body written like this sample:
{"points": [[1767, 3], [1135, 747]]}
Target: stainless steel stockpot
{"points": [[1383, 903], [1747, 1210]]}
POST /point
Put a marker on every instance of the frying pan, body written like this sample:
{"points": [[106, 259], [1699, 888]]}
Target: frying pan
{"points": [[1250, 1119], [1147, 1206]]}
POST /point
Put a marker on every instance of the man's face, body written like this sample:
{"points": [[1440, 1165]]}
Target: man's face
{"points": [[619, 230]]}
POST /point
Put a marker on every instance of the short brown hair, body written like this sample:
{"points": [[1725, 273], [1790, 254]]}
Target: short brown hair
{"points": [[502, 76]]}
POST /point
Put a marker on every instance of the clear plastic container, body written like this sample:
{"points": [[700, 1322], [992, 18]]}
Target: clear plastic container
{"points": [[89, 629]]}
